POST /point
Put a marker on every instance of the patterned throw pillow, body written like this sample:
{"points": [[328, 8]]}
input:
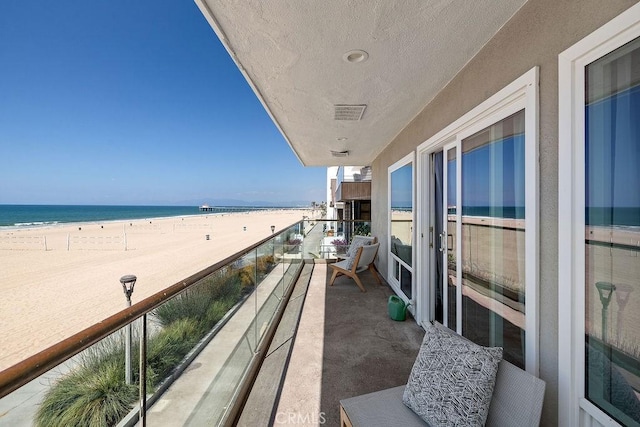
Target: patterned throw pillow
{"points": [[355, 245], [452, 379]]}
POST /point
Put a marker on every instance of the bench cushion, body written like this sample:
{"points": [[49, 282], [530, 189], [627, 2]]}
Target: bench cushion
{"points": [[452, 379], [380, 409], [517, 401]]}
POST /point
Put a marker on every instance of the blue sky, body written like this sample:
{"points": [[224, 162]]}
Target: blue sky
{"points": [[133, 102]]}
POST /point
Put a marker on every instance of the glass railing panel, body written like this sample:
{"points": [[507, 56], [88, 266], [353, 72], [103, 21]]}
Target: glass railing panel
{"points": [[224, 352], [221, 307], [279, 247], [313, 236], [83, 390], [292, 266], [184, 325], [270, 267], [20, 408], [215, 400], [333, 237], [199, 346], [268, 303], [246, 271], [293, 240], [269, 289]]}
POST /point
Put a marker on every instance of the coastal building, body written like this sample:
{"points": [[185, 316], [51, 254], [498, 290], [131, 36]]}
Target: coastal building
{"points": [[503, 142], [349, 193]]}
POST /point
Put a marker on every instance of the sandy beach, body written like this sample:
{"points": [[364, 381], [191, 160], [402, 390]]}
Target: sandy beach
{"points": [[48, 295]]}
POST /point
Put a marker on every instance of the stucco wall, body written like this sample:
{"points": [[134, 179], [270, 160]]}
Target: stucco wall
{"points": [[534, 36]]}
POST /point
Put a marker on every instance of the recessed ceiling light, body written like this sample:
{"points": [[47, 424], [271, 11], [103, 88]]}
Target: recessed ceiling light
{"points": [[354, 56]]}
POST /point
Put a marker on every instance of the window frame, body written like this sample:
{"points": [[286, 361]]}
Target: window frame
{"points": [[521, 94], [571, 203]]}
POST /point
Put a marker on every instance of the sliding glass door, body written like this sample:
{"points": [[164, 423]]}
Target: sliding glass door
{"points": [[612, 224], [446, 207], [480, 231]]}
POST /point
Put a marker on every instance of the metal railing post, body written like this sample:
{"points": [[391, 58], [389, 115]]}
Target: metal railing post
{"points": [[143, 371]]}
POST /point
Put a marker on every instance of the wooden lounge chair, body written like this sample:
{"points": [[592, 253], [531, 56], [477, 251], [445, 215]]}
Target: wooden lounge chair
{"points": [[363, 260]]}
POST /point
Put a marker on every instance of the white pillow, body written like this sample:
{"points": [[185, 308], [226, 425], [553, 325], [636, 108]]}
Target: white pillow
{"points": [[355, 245]]}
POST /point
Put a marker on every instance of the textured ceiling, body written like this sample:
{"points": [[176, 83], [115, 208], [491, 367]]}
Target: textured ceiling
{"points": [[291, 53]]}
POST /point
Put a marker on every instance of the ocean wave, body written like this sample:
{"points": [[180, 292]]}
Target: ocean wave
{"points": [[35, 223]]}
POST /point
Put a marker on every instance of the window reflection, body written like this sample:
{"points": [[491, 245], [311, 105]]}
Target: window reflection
{"points": [[452, 263], [493, 237], [401, 215], [612, 234]]}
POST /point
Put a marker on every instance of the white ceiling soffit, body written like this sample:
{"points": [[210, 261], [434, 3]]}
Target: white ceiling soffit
{"points": [[293, 54]]}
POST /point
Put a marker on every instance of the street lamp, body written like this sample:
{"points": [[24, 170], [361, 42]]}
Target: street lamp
{"points": [[605, 291], [273, 229], [128, 282]]}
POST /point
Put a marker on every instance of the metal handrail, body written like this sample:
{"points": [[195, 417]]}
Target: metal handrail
{"points": [[32, 367]]}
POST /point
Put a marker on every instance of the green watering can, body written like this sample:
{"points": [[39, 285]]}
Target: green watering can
{"points": [[397, 308]]}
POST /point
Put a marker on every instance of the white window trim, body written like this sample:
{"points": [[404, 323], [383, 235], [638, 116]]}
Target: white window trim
{"points": [[571, 222], [395, 285], [520, 94]]}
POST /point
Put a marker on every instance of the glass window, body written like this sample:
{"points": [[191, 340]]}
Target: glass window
{"points": [[493, 237], [401, 215], [452, 264], [612, 233]]}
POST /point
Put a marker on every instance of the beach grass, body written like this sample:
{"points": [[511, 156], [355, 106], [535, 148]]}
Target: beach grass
{"points": [[94, 394], [222, 290]]}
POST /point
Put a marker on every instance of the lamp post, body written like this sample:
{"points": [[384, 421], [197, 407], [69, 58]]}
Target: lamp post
{"points": [[605, 291], [128, 282], [273, 229]]}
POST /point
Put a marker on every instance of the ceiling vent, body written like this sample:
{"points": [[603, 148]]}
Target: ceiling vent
{"points": [[349, 112], [344, 153]]}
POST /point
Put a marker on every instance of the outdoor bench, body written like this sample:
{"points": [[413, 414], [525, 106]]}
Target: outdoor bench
{"points": [[516, 401]]}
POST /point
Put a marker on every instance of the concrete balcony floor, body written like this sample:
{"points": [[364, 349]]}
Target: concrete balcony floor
{"points": [[334, 342]]}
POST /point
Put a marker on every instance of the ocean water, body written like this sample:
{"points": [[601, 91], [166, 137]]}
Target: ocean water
{"points": [[629, 217], [41, 215], [599, 216], [514, 212]]}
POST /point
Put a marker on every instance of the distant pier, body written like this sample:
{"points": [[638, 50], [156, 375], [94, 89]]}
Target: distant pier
{"points": [[230, 209]]}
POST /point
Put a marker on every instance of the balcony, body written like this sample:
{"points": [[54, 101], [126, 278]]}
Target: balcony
{"points": [[289, 349], [347, 191], [329, 346]]}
